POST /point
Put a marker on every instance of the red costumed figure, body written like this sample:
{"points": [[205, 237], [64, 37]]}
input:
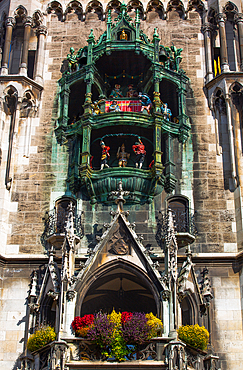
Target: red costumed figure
{"points": [[105, 155], [139, 150]]}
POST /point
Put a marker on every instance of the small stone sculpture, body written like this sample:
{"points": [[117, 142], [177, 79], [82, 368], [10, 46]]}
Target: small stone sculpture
{"points": [[139, 150], [105, 155], [122, 156]]}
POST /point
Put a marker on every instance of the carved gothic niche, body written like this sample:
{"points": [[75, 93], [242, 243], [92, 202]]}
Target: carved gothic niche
{"points": [[155, 9], [56, 8], [219, 102], [212, 17], [20, 14], [196, 5], [28, 105], [132, 6], [75, 7], [115, 6], [94, 10], [37, 18], [230, 10], [10, 100], [236, 92], [175, 9]]}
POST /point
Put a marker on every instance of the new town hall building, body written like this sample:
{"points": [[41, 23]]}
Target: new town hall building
{"points": [[121, 154]]}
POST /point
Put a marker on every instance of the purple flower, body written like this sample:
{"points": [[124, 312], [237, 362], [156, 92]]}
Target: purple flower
{"points": [[136, 330], [101, 330]]}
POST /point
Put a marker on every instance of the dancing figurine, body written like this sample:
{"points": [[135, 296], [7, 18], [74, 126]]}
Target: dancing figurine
{"points": [[131, 93], [116, 92], [166, 111], [114, 107], [122, 156], [145, 101], [139, 150], [105, 155]]}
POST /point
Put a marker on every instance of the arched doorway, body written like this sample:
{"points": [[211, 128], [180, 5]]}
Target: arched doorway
{"points": [[121, 289]]}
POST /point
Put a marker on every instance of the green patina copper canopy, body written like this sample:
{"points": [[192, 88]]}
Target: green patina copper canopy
{"points": [[122, 56]]}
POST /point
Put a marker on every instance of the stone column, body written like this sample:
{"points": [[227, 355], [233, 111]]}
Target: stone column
{"points": [[207, 32], [239, 22], [24, 57], [39, 66], [10, 23], [221, 18]]}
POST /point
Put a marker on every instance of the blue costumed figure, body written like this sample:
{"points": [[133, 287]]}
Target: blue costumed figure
{"points": [[145, 101]]}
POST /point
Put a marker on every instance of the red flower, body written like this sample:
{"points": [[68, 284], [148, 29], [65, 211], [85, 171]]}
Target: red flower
{"points": [[82, 322], [126, 316]]}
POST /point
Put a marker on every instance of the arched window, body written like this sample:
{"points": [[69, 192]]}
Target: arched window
{"points": [[180, 207]]}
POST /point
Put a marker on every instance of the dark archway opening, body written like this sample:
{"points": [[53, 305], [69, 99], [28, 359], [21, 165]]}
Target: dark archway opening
{"points": [[119, 289]]}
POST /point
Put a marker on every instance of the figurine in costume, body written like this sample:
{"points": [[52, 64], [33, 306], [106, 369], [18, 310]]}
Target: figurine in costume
{"points": [[114, 107], [131, 93], [166, 111], [95, 107], [105, 155], [122, 156], [139, 150], [72, 61], [116, 92], [123, 35], [145, 101]]}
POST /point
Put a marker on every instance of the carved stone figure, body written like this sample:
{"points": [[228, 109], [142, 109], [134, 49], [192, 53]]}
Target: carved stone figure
{"points": [[122, 156]]}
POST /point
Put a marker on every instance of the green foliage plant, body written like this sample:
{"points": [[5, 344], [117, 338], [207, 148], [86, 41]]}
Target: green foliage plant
{"points": [[41, 337], [194, 335]]}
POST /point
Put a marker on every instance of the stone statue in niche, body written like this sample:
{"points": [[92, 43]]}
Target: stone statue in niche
{"points": [[119, 243], [139, 150], [122, 156], [105, 155]]}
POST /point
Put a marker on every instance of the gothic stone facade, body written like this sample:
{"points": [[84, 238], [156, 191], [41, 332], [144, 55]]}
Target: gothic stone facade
{"points": [[35, 166]]}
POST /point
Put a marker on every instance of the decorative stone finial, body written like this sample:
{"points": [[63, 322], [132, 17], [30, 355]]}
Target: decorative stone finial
{"points": [[120, 193]]}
